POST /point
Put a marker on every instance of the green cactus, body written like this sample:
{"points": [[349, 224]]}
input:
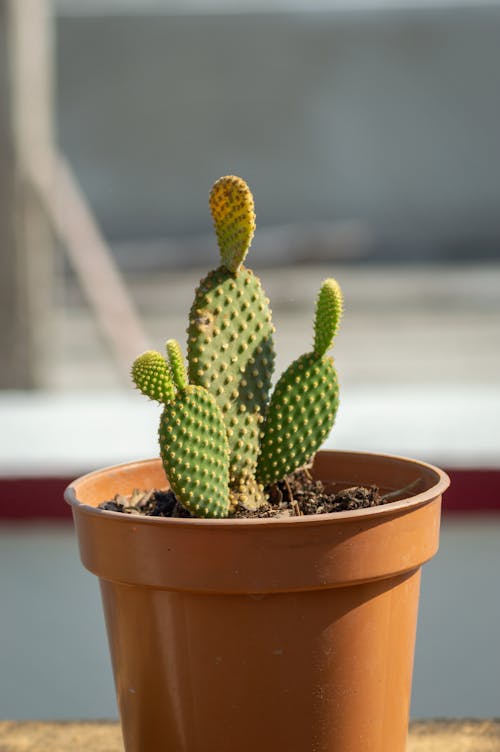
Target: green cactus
{"points": [[304, 403], [192, 435], [222, 440], [230, 342]]}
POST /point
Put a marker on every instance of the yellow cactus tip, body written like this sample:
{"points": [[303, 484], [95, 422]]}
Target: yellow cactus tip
{"points": [[233, 212]]}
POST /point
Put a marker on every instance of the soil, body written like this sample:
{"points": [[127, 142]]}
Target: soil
{"points": [[297, 495]]}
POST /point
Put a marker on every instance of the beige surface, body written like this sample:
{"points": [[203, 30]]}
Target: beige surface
{"points": [[431, 736], [455, 736]]}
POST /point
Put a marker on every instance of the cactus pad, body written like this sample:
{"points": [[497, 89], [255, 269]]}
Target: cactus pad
{"points": [[177, 366], [151, 375], [299, 417], [328, 314], [232, 207], [231, 353], [195, 453]]}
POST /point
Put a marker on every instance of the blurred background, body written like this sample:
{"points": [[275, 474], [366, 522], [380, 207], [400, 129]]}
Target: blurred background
{"points": [[369, 133]]}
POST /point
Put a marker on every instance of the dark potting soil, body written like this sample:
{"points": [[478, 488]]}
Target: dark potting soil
{"points": [[298, 494]]}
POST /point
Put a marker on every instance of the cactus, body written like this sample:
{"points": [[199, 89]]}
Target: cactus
{"points": [[192, 435], [304, 403], [230, 344], [222, 438]]}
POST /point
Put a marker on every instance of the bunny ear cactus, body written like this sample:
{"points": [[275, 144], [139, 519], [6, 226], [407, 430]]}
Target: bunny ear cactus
{"points": [[304, 403], [193, 442], [230, 336], [222, 439]]}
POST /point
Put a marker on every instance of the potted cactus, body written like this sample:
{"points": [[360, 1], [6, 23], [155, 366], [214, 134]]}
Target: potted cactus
{"points": [[241, 632], [221, 438]]}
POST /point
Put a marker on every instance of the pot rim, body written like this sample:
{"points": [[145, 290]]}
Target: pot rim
{"points": [[442, 483]]}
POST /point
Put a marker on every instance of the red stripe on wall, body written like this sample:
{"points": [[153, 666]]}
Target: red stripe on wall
{"points": [[471, 492], [36, 498]]}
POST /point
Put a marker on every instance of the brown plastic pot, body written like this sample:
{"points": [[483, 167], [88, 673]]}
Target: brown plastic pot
{"points": [[244, 635]]}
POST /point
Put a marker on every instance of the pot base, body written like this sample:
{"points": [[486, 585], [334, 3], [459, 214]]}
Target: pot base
{"points": [[326, 671]]}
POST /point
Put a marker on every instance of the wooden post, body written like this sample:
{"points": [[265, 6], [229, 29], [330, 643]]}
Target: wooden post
{"points": [[92, 260], [26, 148]]}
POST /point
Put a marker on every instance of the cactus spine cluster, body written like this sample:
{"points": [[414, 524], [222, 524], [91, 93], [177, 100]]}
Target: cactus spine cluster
{"points": [[223, 438]]}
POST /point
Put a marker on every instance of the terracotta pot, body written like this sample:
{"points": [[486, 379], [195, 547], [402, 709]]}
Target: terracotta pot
{"points": [[294, 634]]}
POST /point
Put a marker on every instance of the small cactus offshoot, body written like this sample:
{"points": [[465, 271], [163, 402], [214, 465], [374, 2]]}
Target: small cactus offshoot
{"points": [[223, 436]]}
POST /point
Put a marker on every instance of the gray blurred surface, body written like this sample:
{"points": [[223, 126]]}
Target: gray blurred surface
{"points": [[53, 652], [411, 325], [388, 117]]}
